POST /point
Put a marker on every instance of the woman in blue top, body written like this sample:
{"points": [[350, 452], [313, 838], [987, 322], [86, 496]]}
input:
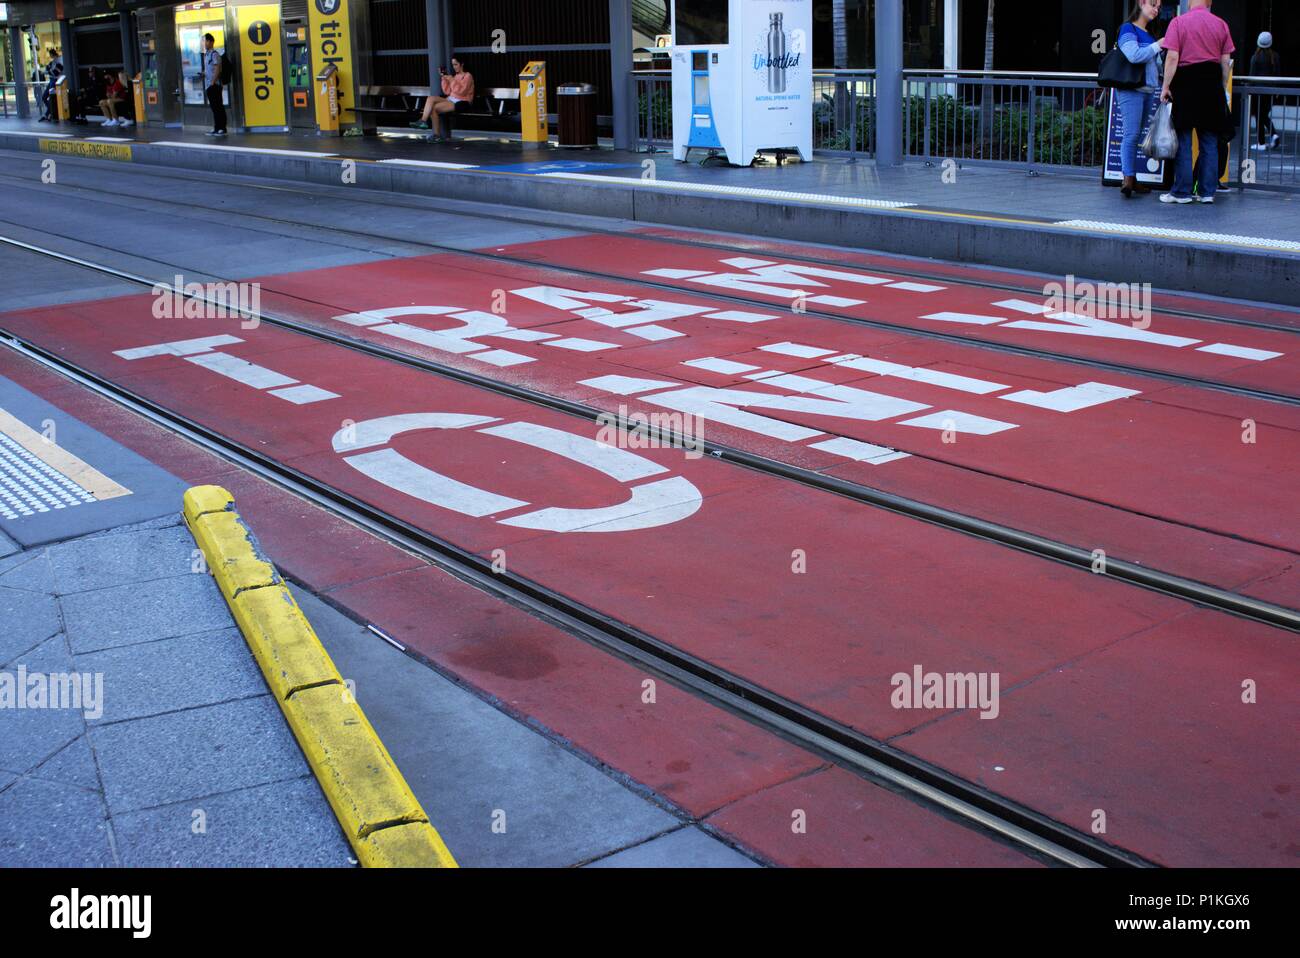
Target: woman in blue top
{"points": [[1134, 105]]}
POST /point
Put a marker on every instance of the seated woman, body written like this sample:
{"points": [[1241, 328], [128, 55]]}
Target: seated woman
{"points": [[114, 94], [458, 96]]}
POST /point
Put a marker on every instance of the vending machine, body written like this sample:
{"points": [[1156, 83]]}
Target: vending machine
{"points": [[302, 113], [742, 78]]}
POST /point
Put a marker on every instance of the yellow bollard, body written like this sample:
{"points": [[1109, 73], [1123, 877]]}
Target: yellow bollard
{"points": [[532, 102]]}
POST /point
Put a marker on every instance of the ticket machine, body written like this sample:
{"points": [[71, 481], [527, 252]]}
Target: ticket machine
{"points": [[297, 56], [742, 78]]}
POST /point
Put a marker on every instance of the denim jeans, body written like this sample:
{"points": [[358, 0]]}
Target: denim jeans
{"points": [[1133, 109], [1207, 164]]}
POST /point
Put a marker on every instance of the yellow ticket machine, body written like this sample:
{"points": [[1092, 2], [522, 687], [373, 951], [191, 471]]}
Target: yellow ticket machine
{"points": [[327, 100], [137, 91], [61, 100], [532, 103]]}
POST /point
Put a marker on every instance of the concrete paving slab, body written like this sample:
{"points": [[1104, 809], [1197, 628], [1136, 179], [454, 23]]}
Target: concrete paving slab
{"points": [[153, 491], [33, 575], [168, 675], [72, 765], [29, 618], [29, 736], [100, 562], [161, 609], [7, 546], [471, 765], [43, 824], [683, 848], [276, 825], [208, 750]]}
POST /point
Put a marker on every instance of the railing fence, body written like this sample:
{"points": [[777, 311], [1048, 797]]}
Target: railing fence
{"points": [[1029, 121]]}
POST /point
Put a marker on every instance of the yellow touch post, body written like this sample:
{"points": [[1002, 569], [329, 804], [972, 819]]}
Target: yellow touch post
{"points": [[327, 100], [61, 101], [532, 102], [137, 91]]}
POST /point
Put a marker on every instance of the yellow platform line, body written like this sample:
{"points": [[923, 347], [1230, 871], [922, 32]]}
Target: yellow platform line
{"points": [[60, 460], [376, 808]]}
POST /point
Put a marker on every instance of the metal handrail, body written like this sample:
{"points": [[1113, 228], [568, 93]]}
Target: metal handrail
{"points": [[1001, 73]]}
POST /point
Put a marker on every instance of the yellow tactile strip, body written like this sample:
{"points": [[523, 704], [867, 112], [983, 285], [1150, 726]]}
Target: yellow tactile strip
{"points": [[59, 459], [381, 817]]}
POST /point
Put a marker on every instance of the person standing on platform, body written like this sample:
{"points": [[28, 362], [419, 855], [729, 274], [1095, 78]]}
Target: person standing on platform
{"points": [[1138, 46], [212, 85], [1265, 63], [458, 95], [1198, 65], [53, 70]]}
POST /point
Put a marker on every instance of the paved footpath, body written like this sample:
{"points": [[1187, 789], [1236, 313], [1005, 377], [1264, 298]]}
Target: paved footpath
{"points": [[136, 728]]}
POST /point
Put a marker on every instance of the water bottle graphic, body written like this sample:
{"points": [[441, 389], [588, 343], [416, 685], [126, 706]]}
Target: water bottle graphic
{"points": [[776, 58]]}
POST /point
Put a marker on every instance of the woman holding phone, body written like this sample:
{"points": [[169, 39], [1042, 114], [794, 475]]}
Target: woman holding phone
{"points": [[458, 95]]}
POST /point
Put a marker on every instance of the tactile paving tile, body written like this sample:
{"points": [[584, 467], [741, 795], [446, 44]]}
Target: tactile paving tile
{"points": [[29, 486]]}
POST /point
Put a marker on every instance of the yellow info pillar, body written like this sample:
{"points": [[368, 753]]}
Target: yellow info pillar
{"points": [[532, 102]]}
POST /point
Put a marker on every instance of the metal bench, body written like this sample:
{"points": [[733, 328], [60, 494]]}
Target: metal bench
{"points": [[400, 103]]}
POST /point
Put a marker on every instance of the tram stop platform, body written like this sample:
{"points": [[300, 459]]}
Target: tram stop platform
{"points": [[1246, 245], [136, 728]]}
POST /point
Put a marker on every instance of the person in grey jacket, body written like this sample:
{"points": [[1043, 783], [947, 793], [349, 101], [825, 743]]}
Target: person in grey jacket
{"points": [[1138, 46]]}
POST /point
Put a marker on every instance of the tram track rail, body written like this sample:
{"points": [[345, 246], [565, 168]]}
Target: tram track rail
{"points": [[732, 298]]}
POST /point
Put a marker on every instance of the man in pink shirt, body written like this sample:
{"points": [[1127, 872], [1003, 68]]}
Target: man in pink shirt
{"points": [[1198, 64]]}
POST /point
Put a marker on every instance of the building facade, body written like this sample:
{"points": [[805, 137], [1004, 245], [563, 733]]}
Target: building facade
{"points": [[279, 46]]}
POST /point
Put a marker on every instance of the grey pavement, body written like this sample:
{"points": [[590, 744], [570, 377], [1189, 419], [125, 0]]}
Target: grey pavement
{"points": [[1052, 194], [177, 754]]}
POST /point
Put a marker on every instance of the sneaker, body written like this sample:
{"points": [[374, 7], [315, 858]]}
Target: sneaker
{"points": [[1170, 198], [1205, 199], [1273, 141], [125, 122], [211, 133], [43, 119], [218, 132], [108, 122], [419, 125], [1258, 147]]}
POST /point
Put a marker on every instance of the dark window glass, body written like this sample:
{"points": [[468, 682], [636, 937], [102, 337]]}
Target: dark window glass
{"points": [[701, 22]]}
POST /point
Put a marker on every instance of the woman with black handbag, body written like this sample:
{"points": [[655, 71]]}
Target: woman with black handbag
{"points": [[1141, 50]]}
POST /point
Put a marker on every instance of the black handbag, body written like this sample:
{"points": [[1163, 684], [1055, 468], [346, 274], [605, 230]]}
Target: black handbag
{"points": [[1118, 72]]}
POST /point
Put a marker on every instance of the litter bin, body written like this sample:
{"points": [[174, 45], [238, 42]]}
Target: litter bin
{"points": [[577, 109]]}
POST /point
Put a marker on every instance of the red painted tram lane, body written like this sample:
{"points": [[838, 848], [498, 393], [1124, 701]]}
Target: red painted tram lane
{"points": [[965, 273], [1253, 358], [820, 599], [1156, 477], [709, 763]]}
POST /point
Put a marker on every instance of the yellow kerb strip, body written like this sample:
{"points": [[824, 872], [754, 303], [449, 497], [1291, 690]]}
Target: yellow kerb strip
{"points": [[381, 817], [58, 458]]}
